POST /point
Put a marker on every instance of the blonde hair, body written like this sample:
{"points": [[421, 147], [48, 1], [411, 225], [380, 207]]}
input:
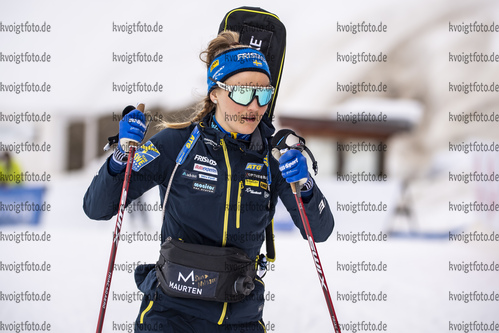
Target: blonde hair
{"points": [[224, 41]]}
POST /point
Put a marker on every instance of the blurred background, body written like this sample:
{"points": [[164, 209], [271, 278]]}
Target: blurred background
{"points": [[418, 131]]}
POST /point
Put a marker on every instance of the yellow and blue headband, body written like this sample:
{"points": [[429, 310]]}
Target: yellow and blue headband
{"points": [[233, 61]]}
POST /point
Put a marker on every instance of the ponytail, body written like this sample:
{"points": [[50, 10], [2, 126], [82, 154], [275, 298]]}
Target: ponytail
{"points": [[224, 41]]}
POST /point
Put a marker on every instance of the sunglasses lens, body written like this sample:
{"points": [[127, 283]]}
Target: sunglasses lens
{"points": [[242, 96], [264, 96]]}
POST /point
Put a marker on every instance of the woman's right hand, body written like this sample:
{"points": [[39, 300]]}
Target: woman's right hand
{"points": [[132, 128]]}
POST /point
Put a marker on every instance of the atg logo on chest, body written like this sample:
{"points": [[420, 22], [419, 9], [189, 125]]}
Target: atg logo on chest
{"points": [[254, 166]]}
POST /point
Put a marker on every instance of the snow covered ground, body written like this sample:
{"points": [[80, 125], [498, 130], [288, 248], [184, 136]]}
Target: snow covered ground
{"points": [[417, 280]]}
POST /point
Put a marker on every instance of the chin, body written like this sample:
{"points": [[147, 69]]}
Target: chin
{"points": [[247, 128]]}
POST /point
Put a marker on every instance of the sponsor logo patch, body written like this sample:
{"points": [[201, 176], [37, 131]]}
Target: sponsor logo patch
{"points": [[322, 205], [189, 174], [254, 166], [255, 175], [204, 159], [210, 142], [203, 176], [249, 190], [251, 182], [215, 64], [204, 187], [205, 168], [187, 281], [144, 155]]}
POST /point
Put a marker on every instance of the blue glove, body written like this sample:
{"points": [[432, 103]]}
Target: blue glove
{"points": [[293, 166], [132, 127]]}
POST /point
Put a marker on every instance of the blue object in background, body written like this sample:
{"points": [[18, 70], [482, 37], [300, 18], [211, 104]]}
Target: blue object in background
{"points": [[21, 205]]}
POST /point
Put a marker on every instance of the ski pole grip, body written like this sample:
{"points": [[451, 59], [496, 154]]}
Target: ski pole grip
{"points": [[141, 107]]}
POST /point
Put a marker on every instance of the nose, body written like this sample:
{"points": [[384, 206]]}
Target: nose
{"points": [[253, 106]]}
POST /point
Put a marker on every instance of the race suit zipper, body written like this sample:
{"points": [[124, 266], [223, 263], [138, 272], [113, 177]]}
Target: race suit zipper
{"points": [[226, 216], [238, 216], [227, 198]]}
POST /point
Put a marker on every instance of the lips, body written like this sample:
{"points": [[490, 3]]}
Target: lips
{"points": [[248, 118]]}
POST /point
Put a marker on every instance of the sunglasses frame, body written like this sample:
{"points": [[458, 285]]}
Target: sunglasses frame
{"points": [[231, 88]]}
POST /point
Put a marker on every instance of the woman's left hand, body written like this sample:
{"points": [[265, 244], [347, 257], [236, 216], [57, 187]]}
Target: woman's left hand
{"points": [[293, 166]]}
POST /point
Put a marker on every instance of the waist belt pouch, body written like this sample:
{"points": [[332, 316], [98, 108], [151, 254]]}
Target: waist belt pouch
{"points": [[223, 274]]}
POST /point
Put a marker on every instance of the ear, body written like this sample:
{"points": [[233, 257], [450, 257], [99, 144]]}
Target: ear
{"points": [[213, 95]]}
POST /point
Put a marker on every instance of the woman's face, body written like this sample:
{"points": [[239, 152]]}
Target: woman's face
{"points": [[234, 117]]}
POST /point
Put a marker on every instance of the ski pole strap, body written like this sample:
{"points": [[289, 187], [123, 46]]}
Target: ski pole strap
{"points": [[114, 139], [279, 142], [314, 162], [279, 139]]}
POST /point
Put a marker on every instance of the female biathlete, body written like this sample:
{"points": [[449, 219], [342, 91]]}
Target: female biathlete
{"points": [[219, 185]]}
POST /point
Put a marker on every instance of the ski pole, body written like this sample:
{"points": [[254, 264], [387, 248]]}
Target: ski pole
{"points": [[315, 254], [116, 235], [280, 146]]}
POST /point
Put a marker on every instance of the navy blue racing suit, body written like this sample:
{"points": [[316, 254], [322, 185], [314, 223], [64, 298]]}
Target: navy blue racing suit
{"points": [[224, 194]]}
